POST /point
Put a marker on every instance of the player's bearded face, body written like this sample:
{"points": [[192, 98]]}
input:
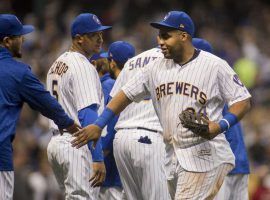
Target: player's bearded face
{"points": [[14, 44], [170, 43]]}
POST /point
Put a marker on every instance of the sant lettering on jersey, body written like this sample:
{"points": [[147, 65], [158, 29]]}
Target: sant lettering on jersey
{"points": [[181, 88], [140, 62], [59, 68]]}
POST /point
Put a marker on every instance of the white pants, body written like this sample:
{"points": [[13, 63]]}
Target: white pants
{"points": [[111, 193], [234, 187], [71, 167], [197, 185], [141, 165], [6, 185]]}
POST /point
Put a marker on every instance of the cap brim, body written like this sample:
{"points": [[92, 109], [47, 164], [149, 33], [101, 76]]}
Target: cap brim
{"points": [[101, 28], [104, 55], [160, 25], [27, 29]]}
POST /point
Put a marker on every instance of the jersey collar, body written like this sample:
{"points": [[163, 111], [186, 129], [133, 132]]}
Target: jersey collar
{"points": [[105, 77], [5, 53], [195, 55]]}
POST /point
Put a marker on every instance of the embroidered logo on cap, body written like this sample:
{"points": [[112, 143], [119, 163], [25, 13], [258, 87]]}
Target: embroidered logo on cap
{"points": [[96, 19]]}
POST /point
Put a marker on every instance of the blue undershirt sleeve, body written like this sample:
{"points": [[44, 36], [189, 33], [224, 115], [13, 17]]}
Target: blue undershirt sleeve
{"points": [[107, 141], [87, 116]]}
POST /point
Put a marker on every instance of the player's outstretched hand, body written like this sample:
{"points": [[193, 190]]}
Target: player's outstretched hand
{"points": [[91, 132], [72, 129], [99, 174]]}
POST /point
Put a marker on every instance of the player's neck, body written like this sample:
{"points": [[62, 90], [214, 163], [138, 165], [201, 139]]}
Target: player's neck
{"points": [[116, 73], [76, 48], [185, 57]]}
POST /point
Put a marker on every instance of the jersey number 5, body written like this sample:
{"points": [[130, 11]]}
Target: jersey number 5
{"points": [[55, 89]]}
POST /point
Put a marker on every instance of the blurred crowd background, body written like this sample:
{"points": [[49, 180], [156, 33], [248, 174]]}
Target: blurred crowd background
{"points": [[238, 30]]}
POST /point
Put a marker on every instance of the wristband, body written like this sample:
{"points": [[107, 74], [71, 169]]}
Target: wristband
{"points": [[104, 118], [227, 121]]}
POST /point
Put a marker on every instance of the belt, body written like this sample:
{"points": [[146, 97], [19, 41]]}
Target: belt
{"points": [[57, 132], [141, 128]]}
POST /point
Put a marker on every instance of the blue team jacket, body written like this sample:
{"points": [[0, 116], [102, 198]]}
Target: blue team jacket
{"points": [[112, 174], [18, 85]]}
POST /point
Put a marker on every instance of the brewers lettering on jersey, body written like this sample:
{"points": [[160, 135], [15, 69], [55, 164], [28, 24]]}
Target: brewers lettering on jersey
{"points": [[201, 164], [142, 173]]}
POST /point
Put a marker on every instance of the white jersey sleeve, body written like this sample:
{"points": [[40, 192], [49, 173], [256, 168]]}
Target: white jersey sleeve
{"points": [[138, 88], [231, 88]]}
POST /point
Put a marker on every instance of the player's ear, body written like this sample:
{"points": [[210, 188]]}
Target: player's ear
{"points": [[112, 65], [7, 41], [78, 38], [185, 36]]}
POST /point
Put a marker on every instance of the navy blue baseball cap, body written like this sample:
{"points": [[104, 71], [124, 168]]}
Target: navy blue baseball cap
{"points": [[86, 23], [176, 20], [120, 51], [202, 44], [10, 25]]}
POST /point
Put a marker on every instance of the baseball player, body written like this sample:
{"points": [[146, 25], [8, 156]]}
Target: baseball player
{"points": [[235, 185], [138, 145], [73, 80], [185, 79], [18, 85], [120, 52]]}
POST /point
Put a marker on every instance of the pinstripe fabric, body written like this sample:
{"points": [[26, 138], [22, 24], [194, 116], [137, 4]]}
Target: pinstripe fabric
{"points": [[142, 174], [6, 185], [76, 85], [110, 193], [205, 83], [234, 187], [71, 167], [200, 185], [137, 114], [141, 166]]}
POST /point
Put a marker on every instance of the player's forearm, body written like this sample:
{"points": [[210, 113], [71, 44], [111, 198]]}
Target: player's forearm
{"points": [[239, 109], [235, 114], [119, 102]]}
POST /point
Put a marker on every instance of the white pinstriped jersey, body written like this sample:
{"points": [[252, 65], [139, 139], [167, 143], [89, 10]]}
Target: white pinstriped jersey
{"points": [[203, 84], [74, 81], [137, 114]]}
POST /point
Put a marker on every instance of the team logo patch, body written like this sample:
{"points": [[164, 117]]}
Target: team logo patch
{"points": [[96, 19], [18, 20], [167, 15], [182, 26], [237, 80]]}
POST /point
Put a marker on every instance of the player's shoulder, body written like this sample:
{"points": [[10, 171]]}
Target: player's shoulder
{"points": [[20, 68], [209, 56], [75, 60]]}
